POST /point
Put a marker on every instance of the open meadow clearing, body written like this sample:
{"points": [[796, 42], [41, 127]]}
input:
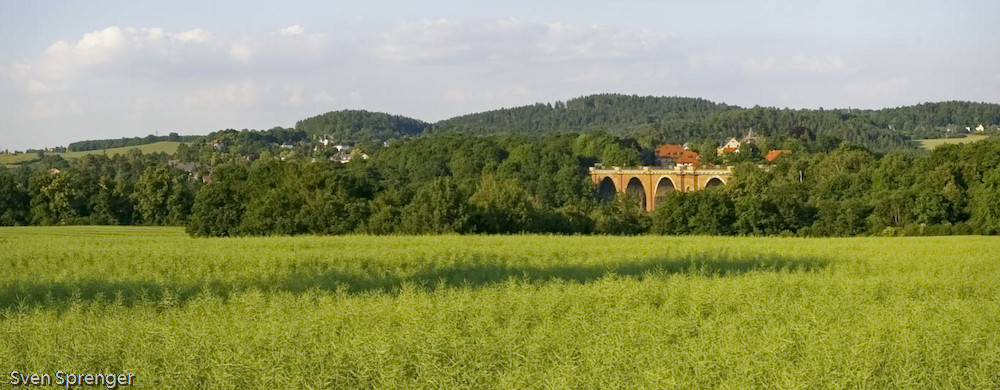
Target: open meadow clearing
{"points": [[500, 311], [935, 142], [13, 159]]}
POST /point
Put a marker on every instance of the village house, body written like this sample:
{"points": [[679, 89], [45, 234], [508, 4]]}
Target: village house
{"points": [[773, 154], [689, 158], [668, 154], [732, 145]]}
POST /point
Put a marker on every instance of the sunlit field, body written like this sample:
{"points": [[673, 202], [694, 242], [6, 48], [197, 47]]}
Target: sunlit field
{"points": [[935, 142], [168, 147], [500, 311]]}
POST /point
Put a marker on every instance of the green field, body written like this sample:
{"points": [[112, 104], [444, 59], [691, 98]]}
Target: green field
{"points": [[933, 143], [500, 311], [169, 147]]}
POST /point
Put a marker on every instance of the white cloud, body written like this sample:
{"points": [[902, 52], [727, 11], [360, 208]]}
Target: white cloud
{"points": [[241, 52], [760, 65], [464, 41], [295, 95], [127, 81], [292, 31], [880, 89], [125, 53], [36, 87], [818, 64], [242, 93], [323, 97], [196, 35], [827, 64], [98, 46], [702, 61]]}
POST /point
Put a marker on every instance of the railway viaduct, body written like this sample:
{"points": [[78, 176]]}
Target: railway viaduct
{"points": [[652, 183]]}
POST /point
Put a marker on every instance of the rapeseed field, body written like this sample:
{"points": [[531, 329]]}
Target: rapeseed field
{"points": [[521, 311]]}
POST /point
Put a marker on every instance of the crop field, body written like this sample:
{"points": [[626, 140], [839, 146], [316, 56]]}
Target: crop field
{"points": [[169, 147], [500, 311], [935, 142]]}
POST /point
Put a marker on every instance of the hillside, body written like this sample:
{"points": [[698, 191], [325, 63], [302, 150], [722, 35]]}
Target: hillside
{"points": [[168, 147], [649, 120], [354, 125], [82, 146], [614, 113], [655, 120]]}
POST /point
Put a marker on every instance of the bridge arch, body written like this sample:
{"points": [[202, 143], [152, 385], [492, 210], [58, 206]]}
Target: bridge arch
{"points": [[715, 181], [663, 187], [606, 191], [635, 190]]}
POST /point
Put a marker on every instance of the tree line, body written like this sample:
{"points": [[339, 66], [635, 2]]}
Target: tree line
{"points": [[508, 183]]}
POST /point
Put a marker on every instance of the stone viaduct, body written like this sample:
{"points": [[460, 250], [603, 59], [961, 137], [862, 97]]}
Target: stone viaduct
{"points": [[652, 183]]}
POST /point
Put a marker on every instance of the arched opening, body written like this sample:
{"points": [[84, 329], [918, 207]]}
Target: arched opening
{"points": [[663, 187], [714, 182], [635, 191], [606, 191]]}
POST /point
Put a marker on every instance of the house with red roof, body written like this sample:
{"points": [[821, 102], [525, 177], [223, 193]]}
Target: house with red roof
{"points": [[668, 154], [690, 158], [671, 151], [773, 154]]}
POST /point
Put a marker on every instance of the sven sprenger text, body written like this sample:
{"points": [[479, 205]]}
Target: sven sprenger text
{"points": [[71, 380]]}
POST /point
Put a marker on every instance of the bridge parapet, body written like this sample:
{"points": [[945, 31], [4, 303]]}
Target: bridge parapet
{"points": [[703, 169]]}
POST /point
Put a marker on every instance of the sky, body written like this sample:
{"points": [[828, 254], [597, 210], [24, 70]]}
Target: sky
{"points": [[79, 70]]}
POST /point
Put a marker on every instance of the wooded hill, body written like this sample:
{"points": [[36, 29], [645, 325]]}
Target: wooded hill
{"points": [[356, 125], [655, 120]]}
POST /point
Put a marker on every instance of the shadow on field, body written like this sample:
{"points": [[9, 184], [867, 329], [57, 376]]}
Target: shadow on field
{"points": [[475, 272]]}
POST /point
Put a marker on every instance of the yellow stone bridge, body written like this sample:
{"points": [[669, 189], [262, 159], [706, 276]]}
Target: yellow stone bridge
{"points": [[652, 183]]}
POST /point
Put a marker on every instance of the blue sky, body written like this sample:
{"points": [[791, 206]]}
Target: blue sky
{"points": [[105, 69]]}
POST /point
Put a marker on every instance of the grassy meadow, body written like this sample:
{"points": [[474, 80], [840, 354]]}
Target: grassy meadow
{"points": [[168, 147], [500, 311], [935, 142]]}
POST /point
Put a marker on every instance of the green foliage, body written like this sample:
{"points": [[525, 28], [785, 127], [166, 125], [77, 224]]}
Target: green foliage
{"points": [[624, 216], [161, 196], [437, 207], [508, 182], [624, 115], [14, 199], [352, 125], [985, 202], [658, 120], [504, 207], [386, 212], [219, 205]]}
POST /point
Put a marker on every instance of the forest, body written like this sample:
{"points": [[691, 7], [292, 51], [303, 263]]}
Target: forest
{"points": [[849, 173], [512, 184], [657, 120]]}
